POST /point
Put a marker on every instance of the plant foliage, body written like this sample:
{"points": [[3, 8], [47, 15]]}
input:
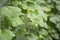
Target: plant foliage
{"points": [[30, 20]]}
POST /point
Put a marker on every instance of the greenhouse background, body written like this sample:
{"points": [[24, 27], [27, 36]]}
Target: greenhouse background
{"points": [[29, 19]]}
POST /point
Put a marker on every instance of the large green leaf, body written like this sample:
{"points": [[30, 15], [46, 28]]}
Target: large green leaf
{"points": [[41, 12], [6, 35], [12, 13]]}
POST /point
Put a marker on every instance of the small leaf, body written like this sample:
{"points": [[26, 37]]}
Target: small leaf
{"points": [[0, 31], [55, 19], [33, 37], [58, 7]]}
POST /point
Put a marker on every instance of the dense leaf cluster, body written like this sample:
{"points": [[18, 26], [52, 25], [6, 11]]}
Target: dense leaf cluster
{"points": [[30, 20]]}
